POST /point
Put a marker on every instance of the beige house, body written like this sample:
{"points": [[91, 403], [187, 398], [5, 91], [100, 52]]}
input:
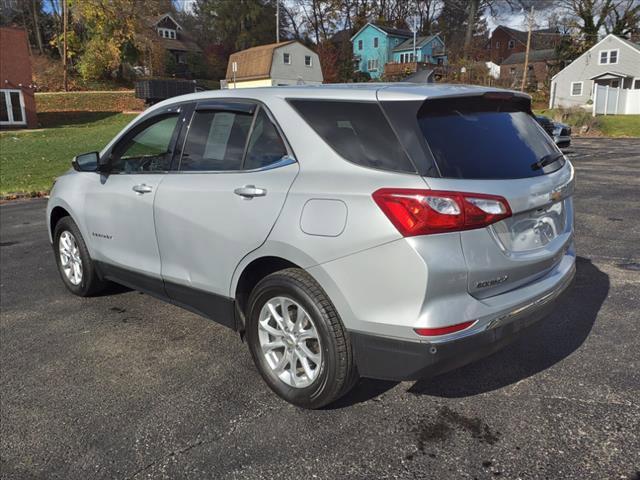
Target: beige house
{"points": [[276, 64]]}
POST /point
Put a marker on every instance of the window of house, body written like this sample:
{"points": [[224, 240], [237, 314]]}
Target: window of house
{"points": [[608, 57], [497, 44], [530, 67], [216, 141], [512, 70], [12, 107], [372, 65], [359, 44], [307, 60], [636, 84], [375, 42], [576, 89], [615, 83], [149, 149], [511, 44], [286, 57], [167, 33], [265, 145]]}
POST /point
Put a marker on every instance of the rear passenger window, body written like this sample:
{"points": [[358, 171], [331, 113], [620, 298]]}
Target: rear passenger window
{"points": [[215, 141], [265, 145], [357, 131]]}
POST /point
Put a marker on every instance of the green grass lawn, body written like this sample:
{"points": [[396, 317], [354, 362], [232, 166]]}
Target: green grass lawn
{"points": [[607, 125], [619, 125], [31, 160]]}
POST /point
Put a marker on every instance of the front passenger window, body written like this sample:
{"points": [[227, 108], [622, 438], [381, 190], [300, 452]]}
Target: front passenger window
{"points": [[148, 150]]}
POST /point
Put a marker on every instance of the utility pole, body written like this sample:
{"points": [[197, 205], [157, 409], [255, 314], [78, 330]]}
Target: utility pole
{"points": [[64, 42], [526, 54], [415, 30], [277, 21]]}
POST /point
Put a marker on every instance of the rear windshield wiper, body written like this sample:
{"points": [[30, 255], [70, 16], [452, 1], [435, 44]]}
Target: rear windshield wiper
{"points": [[547, 160]]}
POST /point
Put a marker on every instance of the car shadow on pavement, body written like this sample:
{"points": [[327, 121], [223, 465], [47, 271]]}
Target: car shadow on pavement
{"points": [[112, 289], [542, 346]]}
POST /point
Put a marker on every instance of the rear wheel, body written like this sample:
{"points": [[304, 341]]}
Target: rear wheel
{"points": [[297, 340], [74, 263]]}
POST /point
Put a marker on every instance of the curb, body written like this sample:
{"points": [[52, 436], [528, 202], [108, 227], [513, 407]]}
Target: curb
{"points": [[9, 197]]}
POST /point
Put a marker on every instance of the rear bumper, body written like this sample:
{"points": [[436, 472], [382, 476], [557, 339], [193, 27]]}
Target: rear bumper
{"points": [[393, 359]]}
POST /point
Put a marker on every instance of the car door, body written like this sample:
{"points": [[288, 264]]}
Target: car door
{"points": [[120, 206], [222, 201]]}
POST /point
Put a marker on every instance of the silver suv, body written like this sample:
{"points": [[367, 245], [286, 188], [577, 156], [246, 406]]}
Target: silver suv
{"points": [[383, 231]]}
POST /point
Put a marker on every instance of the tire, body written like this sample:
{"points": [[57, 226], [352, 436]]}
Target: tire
{"points": [[88, 282], [335, 374]]}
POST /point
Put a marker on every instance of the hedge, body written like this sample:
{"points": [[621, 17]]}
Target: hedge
{"points": [[114, 101]]}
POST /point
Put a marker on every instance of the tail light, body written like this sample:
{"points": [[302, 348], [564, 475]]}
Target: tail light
{"points": [[429, 332], [423, 212]]}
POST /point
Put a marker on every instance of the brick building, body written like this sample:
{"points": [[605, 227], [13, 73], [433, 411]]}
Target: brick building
{"points": [[17, 101], [538, 68], [505, 41]]}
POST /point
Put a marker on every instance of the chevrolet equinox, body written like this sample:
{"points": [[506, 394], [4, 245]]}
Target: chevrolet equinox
{"points": [[389, 231]]}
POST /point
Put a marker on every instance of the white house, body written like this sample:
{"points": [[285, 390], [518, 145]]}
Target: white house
{"points": [[604, 79], [276, 64]]}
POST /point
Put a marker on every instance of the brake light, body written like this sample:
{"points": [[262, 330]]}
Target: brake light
{"points": [[423, 212], [430, 332]]}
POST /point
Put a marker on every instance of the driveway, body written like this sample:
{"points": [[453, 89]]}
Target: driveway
{"points": [[125, 386]]}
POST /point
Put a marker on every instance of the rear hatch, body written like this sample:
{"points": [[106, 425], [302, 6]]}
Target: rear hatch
{"points": [[491, 144]]}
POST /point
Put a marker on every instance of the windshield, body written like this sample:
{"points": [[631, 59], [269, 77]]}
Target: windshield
{"points": [[479, 138]]}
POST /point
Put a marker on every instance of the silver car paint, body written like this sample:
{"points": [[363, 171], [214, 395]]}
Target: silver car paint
{"points": [[380, 282]]}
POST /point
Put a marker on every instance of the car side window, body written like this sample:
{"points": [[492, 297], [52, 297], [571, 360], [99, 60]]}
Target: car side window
{"points": [[216, 141], [149, 150], [265, 145]]}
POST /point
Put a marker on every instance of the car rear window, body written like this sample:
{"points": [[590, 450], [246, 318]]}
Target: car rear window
{"points": [[480, 138], [357, 131]]}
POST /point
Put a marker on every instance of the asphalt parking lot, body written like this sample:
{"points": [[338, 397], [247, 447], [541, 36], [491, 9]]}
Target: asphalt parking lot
{"points": [[125, 386]]}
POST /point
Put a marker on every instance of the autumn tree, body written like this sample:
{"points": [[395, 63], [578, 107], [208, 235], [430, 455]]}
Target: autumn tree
{"points": [[116, 31]]}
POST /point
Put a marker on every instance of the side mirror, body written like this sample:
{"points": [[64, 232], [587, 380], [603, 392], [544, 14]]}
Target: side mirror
{"points": [[87, 162]]}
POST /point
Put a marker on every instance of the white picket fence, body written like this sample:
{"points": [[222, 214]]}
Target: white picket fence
{"points": [[615, 101]]}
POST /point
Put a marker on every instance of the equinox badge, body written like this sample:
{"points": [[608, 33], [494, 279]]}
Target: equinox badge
{"points": [[491, 283]]}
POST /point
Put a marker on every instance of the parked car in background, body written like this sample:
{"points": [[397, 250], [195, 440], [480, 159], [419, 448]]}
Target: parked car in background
{"points": [[344, 231], [560, 132]]}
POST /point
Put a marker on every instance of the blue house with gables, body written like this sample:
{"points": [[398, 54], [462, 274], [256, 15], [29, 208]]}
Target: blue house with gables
{"points": [[376, 45]]}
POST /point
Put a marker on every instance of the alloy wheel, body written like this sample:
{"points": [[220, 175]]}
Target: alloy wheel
{"points": [[290, 342], [70, 260]]}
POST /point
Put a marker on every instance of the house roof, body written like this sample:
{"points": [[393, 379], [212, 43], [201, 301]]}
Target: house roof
{"points": [[254, 63], [534, 56], [397, 32], [181, 44], [540, 39], [420, 42], [630, 43], [157, 19], [611, 74]]}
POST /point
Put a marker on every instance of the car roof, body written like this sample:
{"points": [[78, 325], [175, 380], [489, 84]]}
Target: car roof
{"points": [[342, 91]]}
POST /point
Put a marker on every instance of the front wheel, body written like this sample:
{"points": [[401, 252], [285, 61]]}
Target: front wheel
{"points": [[74, 263], [297, 340]]}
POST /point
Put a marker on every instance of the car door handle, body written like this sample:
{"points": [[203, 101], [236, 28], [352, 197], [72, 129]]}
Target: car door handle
{"points": [[250, 191], [142, 188]]}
